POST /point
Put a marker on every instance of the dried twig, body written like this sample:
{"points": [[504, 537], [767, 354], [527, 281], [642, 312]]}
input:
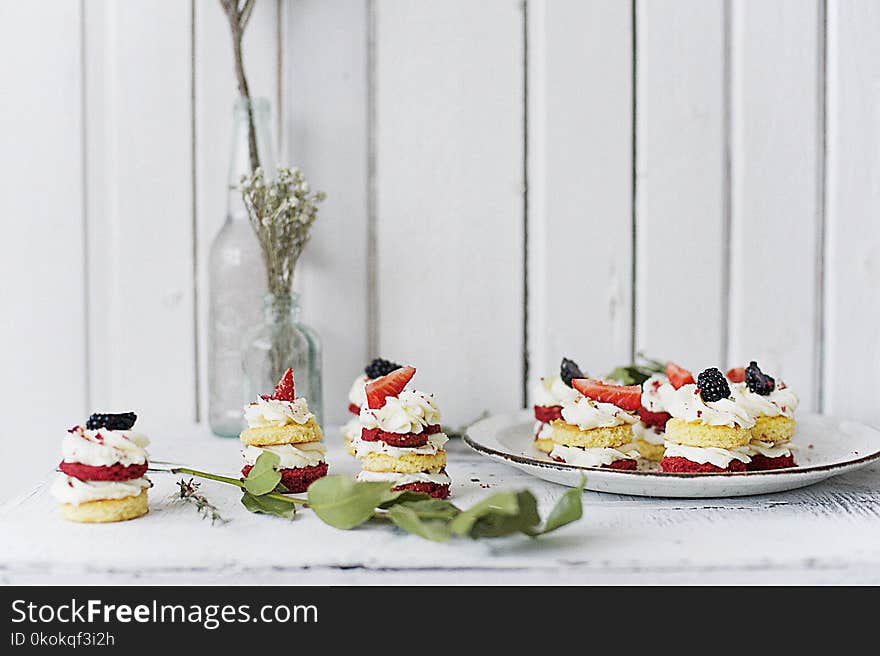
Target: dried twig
{"points": [[238, 14], [189, 493]]}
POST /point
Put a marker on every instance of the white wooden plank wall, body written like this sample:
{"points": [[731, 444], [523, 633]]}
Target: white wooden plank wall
{"points": [[449, 209], [852, 292], [580, 182], [509, 183]]}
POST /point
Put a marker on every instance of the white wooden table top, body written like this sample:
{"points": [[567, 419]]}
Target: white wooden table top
{"points": [[823, 534]]}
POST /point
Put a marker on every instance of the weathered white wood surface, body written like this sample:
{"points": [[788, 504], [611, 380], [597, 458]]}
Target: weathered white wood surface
{"points": [[579, 184], [449, 212], [853, 232], [777, 137], [680, 182], [824, 534]]}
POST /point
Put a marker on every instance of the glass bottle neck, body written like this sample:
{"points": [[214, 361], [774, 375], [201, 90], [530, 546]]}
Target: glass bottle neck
{"points": [[251, 144], [280, 308]]}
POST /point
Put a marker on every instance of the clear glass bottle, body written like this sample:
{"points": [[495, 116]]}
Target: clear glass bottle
{"points": [[237, 276], [279, 342]]}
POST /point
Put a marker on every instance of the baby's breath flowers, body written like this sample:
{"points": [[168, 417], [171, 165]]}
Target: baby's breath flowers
{"points": [[281, 212]]}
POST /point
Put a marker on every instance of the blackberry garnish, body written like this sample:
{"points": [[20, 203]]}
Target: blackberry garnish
{"points": [[120, 421], [758, 381], [379, 367], [713, 385], [568, 370]]}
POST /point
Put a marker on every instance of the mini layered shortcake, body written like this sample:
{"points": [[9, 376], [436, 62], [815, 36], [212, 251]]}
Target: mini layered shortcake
{"points": [[773, 405], [550, 394], [709, 431], [595, 430], [357, 396], [102, 474], [401, 441], [650, 430], [283, 425]]}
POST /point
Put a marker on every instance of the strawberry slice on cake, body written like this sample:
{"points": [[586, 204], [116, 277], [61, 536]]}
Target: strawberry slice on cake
{"points": [[283, 425], [357, 396], [401, 441], [595, 428]]}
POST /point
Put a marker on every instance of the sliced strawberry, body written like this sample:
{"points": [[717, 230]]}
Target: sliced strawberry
{"points": [[284, 388], [390, 385], [627, 397], [736, 375], [678, 376], [654, 419]]}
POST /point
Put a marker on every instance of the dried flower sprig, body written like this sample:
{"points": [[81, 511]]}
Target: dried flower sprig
{"points": [[189, 493], [238, 13], [281, 212]]}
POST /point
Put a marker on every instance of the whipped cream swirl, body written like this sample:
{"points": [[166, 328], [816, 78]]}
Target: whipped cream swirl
{"points": [[409, 412], [780, 402], [264, 413], [685, 403], [438, 477], [552, 391], [770, 449], [721, 458], [649, 434], [357, 395], [68, 489], [591, 457], [103, 447], [655, 393], [293, 456], [587, 414], [434, 445]]}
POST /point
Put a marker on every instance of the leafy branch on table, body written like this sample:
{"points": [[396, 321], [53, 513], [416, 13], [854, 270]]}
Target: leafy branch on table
{"points": [[345, 503]]}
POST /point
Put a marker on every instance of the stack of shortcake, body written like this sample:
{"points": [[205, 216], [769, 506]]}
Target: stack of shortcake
{"points": [[357, 396], [102, 473], [401, 441], [595, 428], [282, 424], [650, 430], [710, 430], [550, 394], [772, 404]]}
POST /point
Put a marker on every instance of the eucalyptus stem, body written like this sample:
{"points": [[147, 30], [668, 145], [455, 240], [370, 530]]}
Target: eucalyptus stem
{"points": [[236, 483]]}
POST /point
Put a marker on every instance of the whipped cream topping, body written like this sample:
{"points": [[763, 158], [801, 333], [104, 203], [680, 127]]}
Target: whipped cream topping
{"points": [[351, 430], [435, 444], [655, 391], [357, 395], [587, 414], [409, 412], [685, 403], [649, 434], [67, 489], [438, 477], [780, 402], [770, 449], [263, 413], [543, 430], [552, 391], [103, 448], [293, 456], [592, 457], [713, 455]]}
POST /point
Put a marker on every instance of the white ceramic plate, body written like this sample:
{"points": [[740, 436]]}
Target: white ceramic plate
{"points": [[824, 447]]}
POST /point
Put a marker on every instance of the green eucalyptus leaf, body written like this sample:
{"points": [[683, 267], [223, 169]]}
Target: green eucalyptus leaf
{"points": [[410, 520], [264, 476], [567, 510], [432, 508], [345, 503], [268, 505], [404, 496], [500, 514]]}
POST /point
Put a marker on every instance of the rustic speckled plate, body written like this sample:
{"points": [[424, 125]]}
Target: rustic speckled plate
{"points": [[824, 447]]}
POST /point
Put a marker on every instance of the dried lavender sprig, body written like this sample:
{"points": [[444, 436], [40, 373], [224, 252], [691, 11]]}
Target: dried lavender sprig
{"points": [[189, 493]]}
